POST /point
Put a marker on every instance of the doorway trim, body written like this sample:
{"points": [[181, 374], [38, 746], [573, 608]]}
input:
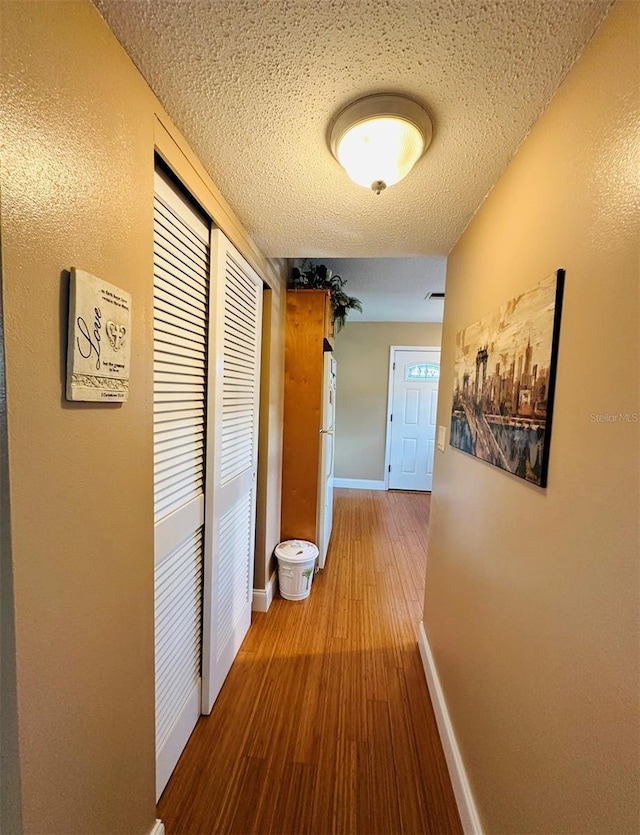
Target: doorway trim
{"points": [[392, 359], [173, 151]]}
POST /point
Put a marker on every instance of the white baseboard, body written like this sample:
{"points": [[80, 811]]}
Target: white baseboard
{"points": [[461, 788], [158, 828], [359, 484], [262, 597]]}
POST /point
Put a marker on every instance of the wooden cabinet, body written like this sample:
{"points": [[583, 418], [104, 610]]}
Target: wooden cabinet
{"points": [[309, 332]]}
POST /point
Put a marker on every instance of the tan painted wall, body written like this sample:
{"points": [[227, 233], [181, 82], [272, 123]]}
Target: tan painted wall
{"points": [[362, 352], [531, 603], [10, 803], [77, 182]]}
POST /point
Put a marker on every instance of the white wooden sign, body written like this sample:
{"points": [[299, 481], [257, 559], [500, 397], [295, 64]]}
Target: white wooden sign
{"points": [[99, 350]]}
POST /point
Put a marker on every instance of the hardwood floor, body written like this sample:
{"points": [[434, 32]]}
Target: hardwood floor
{"points": [[324, 724]]}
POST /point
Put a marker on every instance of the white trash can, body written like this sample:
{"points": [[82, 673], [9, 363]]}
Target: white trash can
{"points": [[296, 566]]}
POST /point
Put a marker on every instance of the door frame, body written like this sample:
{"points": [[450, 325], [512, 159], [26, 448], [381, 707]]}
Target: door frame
{"points": [[392, 359], [171, 149]]}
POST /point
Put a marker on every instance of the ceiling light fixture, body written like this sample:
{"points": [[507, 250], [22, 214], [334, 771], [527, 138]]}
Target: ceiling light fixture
{"points": [[378, 139]]}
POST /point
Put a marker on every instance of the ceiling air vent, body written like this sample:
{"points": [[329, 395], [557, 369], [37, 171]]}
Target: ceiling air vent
{"points": [[435, 296]]}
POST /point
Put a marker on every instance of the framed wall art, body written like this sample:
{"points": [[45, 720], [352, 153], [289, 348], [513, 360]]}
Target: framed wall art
{"points": [[504, 382], [99, 341]]}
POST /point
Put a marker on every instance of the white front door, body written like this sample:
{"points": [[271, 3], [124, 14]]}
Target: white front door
{"points": [[414, 400]]}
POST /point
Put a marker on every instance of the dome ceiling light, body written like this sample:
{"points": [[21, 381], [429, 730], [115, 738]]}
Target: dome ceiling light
{"points": [[378, 139]]}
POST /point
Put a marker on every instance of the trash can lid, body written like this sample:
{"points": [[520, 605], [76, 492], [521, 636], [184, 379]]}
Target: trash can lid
{"points": [[297, 550]]}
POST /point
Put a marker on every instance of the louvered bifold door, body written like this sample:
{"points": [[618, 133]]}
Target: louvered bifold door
{"points": [[233, 404], [180, 320]]}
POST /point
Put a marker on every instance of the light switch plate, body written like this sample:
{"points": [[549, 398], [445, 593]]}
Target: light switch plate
{"points": [[441, 437]]}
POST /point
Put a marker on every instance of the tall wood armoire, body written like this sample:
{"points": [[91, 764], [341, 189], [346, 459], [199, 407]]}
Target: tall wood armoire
{"points": [[309, 333]]}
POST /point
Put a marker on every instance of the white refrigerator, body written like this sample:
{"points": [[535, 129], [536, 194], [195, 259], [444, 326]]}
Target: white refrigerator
{"points": [[325, 488]]}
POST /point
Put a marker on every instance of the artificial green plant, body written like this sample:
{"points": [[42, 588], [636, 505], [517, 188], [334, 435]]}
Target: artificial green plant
{"points": [[310, 276]]}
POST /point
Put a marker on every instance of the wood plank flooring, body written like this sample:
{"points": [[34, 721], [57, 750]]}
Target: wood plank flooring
{"points": [[324, 724]]}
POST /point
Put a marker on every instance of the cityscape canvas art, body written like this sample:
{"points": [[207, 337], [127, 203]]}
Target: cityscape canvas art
{"points": [[504, 382]]}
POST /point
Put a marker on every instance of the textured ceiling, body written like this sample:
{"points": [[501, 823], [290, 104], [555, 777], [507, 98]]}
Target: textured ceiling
{"points": [[254, 84], [393, 289]]}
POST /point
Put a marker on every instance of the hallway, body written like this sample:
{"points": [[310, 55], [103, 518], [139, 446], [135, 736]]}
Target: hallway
{"points": [[324, 724]]}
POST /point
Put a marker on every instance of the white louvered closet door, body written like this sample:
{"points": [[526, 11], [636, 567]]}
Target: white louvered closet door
{"points": [[233, 404], [181, 313]]}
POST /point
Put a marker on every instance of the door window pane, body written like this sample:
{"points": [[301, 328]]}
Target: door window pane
{"points": [[422, 371]]}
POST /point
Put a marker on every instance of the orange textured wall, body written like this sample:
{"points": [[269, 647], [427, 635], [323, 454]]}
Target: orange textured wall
{"points": [[79, 128], [532, 601], [362, 350]]}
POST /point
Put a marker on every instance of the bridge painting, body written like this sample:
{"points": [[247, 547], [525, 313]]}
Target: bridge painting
{"points": [[504, 382]]}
